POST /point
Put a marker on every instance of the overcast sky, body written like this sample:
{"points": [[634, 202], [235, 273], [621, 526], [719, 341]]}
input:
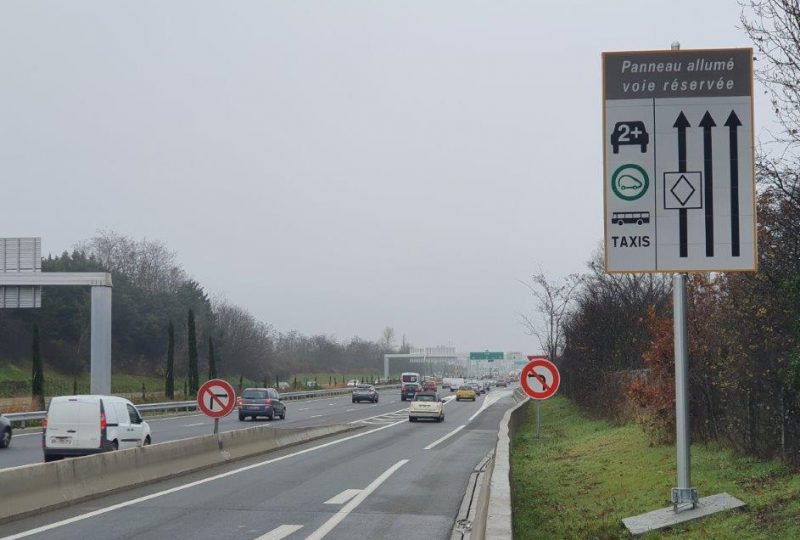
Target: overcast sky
{"points": [[335, 166]]}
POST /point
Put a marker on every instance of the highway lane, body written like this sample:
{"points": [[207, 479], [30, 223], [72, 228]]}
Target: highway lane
{"points": [[26, 445], [393, 479]]}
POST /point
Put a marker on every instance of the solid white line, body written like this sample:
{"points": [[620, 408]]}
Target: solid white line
{"points": [[339, 516], [195, 425], [315, 416], [112, 508], [18, 435], [304, 409], [351, 410], [437, 441], [281, 532], [343, 497]]}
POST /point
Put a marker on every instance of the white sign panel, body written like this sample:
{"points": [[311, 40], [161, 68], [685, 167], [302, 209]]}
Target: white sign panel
{"points": [[20, 255], [678, 150]]}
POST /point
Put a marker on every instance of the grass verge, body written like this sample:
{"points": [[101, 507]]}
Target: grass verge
{"points": [[583, 476]]}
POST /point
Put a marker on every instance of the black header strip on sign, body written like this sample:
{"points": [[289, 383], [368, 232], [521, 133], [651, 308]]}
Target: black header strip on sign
{"points": [[733, 124], [708, 182], [683, 227]]}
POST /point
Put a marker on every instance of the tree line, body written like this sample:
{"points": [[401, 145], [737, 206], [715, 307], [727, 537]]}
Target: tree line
{"points": [[615, 339], [165, 324]]}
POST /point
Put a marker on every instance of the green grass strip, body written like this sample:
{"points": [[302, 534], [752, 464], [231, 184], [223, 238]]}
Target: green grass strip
{"points": [[583, 476]]}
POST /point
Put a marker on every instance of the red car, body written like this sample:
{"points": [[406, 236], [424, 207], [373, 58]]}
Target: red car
{"points": [[429, 386]]}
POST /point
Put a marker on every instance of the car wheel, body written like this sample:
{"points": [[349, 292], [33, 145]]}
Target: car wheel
{"points": [[147, 441], [241, 417], [5, 438], [254, 418], [354, 401], [412, 419], [402, 398], [283, 414], [115, 445], [48, 459], [270, 416]]}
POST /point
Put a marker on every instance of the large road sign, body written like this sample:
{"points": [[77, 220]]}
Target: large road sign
{"points": [[216, 398], [20, 256], [486, 355], [539, 378], [678, 157]]}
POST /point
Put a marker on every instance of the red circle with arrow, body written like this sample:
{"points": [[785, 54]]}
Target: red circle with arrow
{"points": [[539, 378], [216, 398]]}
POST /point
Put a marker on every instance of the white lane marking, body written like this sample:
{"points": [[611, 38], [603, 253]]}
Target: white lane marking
{"points": [[315, 416], [304, 409], [280, 532], [442, 439], [195, 425], [125, 504], [381, 416], [331, 404], [339, 516], [18, 435], [343, 497], [351, 410], [487, 402]]}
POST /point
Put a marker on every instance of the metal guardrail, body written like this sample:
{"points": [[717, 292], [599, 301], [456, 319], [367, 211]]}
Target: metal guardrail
{"points": [[22, 418]]}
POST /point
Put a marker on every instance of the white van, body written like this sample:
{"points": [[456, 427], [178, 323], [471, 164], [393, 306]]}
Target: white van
{"points": [[83, 425]]}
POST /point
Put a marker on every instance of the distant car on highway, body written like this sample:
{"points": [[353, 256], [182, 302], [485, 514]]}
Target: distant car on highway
{"points": [[429, 385], [352, 383], [89, 424], [426, 405], [409, 390], [5, 431], [365, 392], [255, 402], [501, 382], [466, 391]]}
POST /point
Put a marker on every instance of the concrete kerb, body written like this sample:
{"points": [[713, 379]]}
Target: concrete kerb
{"points": [[33, 488], [497, 521]]}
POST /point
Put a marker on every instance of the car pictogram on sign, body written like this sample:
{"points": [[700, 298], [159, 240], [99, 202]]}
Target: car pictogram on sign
{"points": [[630, 133]]}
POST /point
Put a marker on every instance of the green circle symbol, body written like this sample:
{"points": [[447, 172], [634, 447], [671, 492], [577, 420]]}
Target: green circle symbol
{"points": [[630, 182]]}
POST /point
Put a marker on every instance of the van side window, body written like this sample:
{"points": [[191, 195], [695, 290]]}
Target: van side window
{"points": [[134, 414]]}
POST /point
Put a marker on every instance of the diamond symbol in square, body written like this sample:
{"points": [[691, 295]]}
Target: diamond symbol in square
{"points": [[683, 190]]}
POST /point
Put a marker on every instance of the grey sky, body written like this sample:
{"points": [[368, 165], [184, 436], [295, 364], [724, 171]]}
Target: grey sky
{"points": [[334, 167]]}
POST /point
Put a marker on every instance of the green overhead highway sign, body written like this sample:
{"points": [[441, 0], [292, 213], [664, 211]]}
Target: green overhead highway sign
{"points": [[486, 355]]}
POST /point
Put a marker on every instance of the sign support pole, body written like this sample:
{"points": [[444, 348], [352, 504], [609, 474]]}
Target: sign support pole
{"points": [[683, 494], [538, 417]]}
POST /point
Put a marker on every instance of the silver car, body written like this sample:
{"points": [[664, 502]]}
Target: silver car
{"points": [[365, 392]]}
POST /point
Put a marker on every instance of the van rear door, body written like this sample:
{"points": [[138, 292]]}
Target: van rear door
{"points": [[73, 422]]}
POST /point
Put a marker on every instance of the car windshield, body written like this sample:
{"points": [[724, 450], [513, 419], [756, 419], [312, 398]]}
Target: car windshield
{"points": [[425, 397], [255, 394], [466, 388], [364, 387]]}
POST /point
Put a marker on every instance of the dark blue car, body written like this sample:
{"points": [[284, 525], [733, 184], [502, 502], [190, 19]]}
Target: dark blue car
{"points": [[255, 402]]}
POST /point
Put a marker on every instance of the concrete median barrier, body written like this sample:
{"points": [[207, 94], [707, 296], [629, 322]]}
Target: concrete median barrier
{"points": [[33, 488]]}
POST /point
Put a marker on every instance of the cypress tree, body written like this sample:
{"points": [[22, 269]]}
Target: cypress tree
{"points": [[169, 385], [212, 363], [37, 378], [194, 376]]}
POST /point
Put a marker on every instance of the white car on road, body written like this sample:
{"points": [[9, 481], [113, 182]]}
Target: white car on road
{"points": [[426, 405], [90, 424]]}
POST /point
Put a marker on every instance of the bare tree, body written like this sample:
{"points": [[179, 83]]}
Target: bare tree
{"points": [[553, 303], [387, 339]]}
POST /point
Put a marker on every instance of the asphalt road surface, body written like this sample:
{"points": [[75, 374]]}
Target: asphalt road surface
{"points": [[392, 479], [26, 445]]}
